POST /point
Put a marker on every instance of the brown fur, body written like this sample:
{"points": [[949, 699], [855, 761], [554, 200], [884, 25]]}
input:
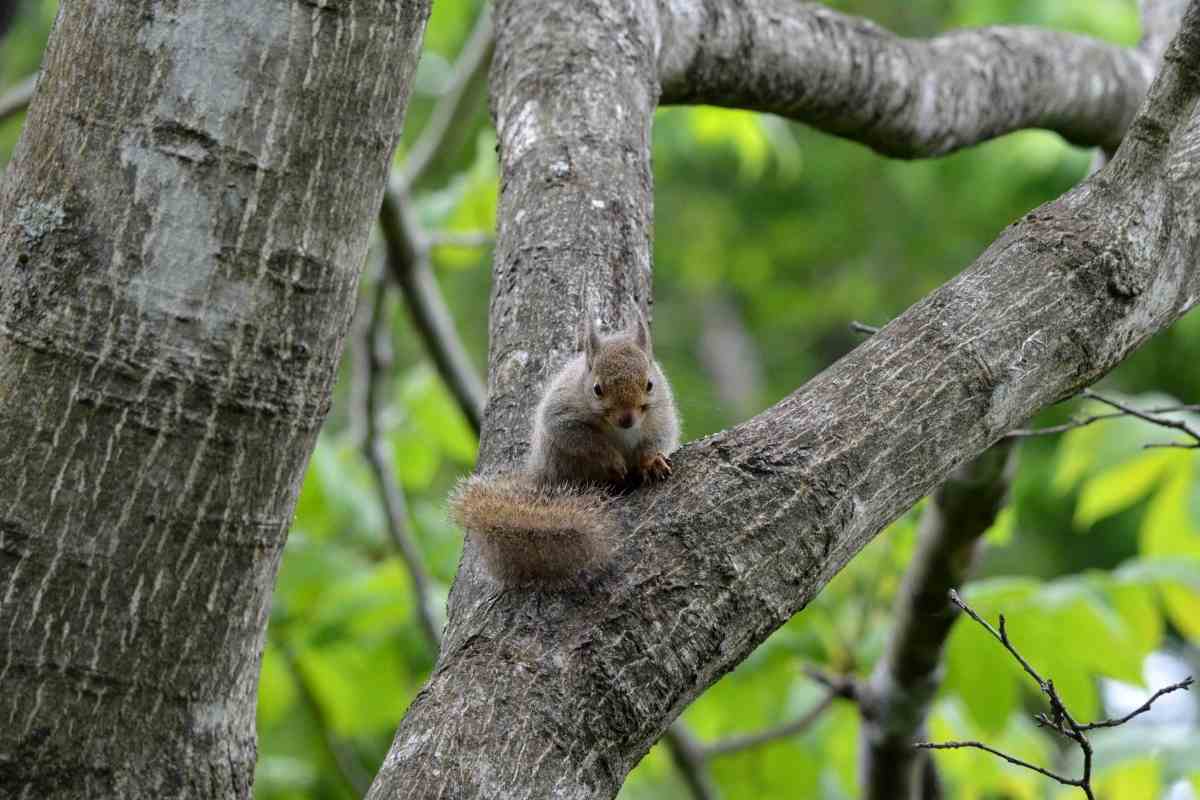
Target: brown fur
{"points": [[550, 523], [533, 535]]}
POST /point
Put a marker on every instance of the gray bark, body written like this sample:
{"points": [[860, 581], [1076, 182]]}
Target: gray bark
{"points": [[902, 97], [895, 702], [559, 694], [184, 222]]}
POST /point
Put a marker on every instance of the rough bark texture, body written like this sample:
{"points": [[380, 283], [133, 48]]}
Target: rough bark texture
{"points": [[895, 701], [184, 222], [903, 97], [558, 694]]}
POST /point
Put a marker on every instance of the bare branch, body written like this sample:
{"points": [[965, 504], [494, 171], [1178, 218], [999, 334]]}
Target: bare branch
{"points": [[1059, 719], [408, 263], [1184, 684], [738, 744], [689, 757], [863, 328], [1010, 759], [376, 366], [1150, 417], [1083, 422], [469, 69], [902, 97], [16, 99]]}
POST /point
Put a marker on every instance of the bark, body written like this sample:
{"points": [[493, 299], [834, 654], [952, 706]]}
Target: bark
{"points": [[559, 694], [895, 701], [902, 97], [184, 222]]}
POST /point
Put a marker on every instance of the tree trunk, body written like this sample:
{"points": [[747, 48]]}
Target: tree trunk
{"points": [[185, 219]]}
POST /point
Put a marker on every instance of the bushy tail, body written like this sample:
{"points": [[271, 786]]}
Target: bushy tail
{"points": [[534, 535]]}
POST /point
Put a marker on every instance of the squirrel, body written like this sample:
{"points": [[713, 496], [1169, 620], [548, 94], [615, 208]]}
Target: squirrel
{"points": [[606, 422]]}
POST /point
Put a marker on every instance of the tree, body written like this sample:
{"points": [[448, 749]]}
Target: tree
{"points": [[577, 686], [185, 220]]}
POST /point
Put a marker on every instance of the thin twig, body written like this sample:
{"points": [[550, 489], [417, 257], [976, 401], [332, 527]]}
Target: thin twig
{"points": [[17, 99], [470, 67], [1082, 422], [1059, 719], [863, 328], [1184, 684], [736, 744], [1010, 759], [377, 363], [1163, 422]]}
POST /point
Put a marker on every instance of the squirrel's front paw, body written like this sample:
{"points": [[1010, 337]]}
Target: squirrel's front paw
{"points": [[655, 467]]}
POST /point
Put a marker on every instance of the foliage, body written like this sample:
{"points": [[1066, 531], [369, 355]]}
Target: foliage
{"points": [[1096, 563]]}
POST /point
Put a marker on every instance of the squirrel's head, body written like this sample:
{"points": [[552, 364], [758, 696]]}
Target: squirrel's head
{"points": [[620, 375]]}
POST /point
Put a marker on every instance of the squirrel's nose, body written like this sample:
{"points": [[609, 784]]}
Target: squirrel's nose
{"points": [[626, 420]]}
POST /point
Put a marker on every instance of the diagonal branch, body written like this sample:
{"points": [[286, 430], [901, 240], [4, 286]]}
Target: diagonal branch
{"points": [[904, 97], [737, 744], [17, 99], [375, 367], [469, 69], [408, 264], [757, 519], [1148, 416]]}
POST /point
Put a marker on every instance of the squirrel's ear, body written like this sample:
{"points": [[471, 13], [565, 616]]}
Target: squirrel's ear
{"points": [[591, 339], [641, 333]]}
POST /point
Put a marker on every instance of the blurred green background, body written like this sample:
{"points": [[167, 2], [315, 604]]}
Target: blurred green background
{"points": [[770, 239]]}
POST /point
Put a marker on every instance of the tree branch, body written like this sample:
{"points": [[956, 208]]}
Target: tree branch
{"points": [[408, 263], [17, 99], [895, 701], [689, 757], [1059, 719], [1162, 422], [375, 365], [738, 744], [902, 97], [447, 114], [1184, 684], [757, 519]]}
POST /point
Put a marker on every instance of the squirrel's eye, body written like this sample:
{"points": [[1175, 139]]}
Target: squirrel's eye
{"points": [[599, 392], [649, 386]]}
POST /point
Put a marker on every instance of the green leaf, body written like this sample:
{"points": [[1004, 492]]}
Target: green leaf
{"points": [[1137, 607], [982, 675], [1119, 488], [1077, 451], [1168, 528], [1133, 778], [1183, 607]]}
